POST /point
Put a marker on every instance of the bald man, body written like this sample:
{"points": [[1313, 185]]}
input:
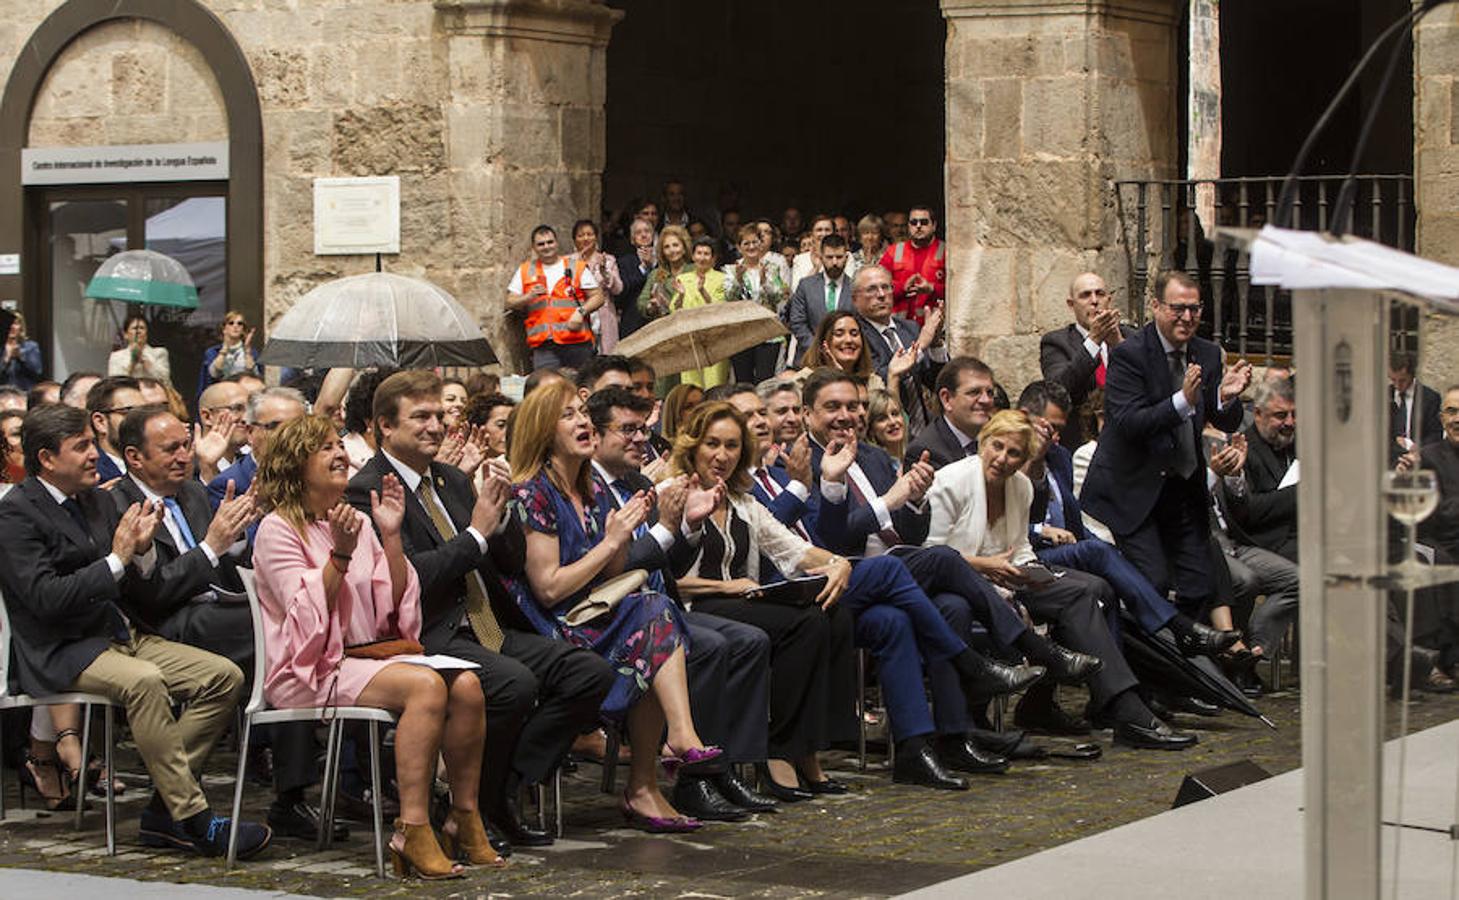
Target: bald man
{"points": [[1076, 355]]}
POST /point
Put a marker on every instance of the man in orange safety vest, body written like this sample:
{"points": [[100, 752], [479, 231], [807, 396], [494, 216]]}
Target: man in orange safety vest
{"points": [[556, 297]]}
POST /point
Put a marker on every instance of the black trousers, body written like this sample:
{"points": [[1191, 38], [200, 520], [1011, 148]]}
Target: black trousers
{"points": [[1172, 549], [1070, 606], [540, 695], [728, 670], [812, 671]]}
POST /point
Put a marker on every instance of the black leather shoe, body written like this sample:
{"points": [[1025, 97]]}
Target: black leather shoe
{"points": [[1156, 736], [697, 798], [509, 825], [1049, 718], [827, 785], [1203, 640], [300, 820], [359, 809], [260, 766], [1070, 666], [982, 677], [1000, 743], [923, 768], [731, 788], [779, 791], [964, 756]]}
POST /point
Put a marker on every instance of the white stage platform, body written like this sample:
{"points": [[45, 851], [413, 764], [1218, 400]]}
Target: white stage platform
{"points": [[1246, 843]]}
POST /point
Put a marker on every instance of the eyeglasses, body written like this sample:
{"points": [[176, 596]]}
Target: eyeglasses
{"points": [[119, 410], [266, 426], [631, 432], [1181, 310], [919, 221]]}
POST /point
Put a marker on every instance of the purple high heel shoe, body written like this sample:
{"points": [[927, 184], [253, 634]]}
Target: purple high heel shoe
{"points": [[694, 761], [657, 824]]}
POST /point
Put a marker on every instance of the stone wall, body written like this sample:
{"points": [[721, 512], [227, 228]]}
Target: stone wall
{"points": [[1047, 103], [1436, 171], [490, 111]]}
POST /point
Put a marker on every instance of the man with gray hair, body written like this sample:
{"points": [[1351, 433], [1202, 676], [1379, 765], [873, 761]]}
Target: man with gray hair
{"points": [[267, 410], [782, 409]]}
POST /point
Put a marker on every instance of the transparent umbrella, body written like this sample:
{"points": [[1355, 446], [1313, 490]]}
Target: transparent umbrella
{"points": [[379, 319], [144, 276]]}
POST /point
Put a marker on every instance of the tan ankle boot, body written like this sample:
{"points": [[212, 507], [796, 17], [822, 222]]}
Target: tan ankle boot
{"points": [[413, 848], [465, 839]]}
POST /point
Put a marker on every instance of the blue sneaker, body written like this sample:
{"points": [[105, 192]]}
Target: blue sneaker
{"points": [[252, 838], [158, 829]]}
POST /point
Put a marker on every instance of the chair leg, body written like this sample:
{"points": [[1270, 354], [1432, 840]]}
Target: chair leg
{"points": [[374, 797], [541, 806], [2, 775], [238, 790], [861, 709], [326, 796], [85, 756], [109, 756], [610, 760], [557, 797]]}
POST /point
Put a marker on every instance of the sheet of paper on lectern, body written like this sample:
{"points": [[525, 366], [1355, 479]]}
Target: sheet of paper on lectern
{"points": [[1310, 260]]}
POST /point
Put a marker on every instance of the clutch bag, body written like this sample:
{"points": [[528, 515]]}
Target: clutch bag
{"points": [[604, 598]]}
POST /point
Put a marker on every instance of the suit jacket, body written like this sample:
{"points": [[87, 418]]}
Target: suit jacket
{"points": [[1442, 528], [240, 473], [1063, 358], [182, 574], [1135, 449], [807, 307], [1423, 416], [629, 318], [646, 553], [787, 508], [941, 445], [924, 371], [441, 563], [1267, 515], [59, 591], [106, 470], [1060, 465], [844, 527]]}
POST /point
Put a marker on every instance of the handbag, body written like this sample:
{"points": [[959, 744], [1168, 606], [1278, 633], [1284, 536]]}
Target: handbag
{"points": [[604, 598], [384, 648]]}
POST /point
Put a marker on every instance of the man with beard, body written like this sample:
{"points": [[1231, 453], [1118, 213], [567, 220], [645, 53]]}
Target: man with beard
{"points": [[1268, 513]]}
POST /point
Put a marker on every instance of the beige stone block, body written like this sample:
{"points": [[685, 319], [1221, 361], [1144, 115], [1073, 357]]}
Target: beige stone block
{"points": [[380, 79], [1437, 52], [1050, 272], [541, 72], [1021, 56], [1014, 360], [191, 87], [1055, 113], [983, 289], [531, 137], [477, 217], [1438, 237], [1135, 124], [965, 119], [1002, 106], [76, 85], [76, 132], [471, 136], [298, 26], [473, 72], [1036, 202], [159, 129], [423, 70], [425, 217], [138, 80], [282, 77], [210, 125], [332, 75], [389, 140]]}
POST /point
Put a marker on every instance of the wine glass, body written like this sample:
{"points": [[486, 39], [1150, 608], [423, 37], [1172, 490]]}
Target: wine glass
{"points": [[1411, 496]]}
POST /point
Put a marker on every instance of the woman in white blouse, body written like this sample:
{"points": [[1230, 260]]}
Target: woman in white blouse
{"points": [[812, 662], [979, 507], [137, 358]]}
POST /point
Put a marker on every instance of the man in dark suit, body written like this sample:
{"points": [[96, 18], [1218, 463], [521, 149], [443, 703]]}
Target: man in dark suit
{"points": [[965, 390], [886, 335], [75, 572], [1267, 512], [633, 268], [1413, 411], [729, 662], [1147, 480], [1441, 456], [825, 291], [197, 594], [1077, 355], [108, 401], [781, 477], [540, 693]]}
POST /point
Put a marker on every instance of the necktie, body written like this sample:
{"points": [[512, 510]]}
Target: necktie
{"points": [[116, 620], [772, 490], [970, 448], [73, 509], [1185, 439], [1405, 424], [888, 535], [894, 340], [622, 490], [1099, 370], [1055, 514], [180, 521], [830, 296], [478, 609]]}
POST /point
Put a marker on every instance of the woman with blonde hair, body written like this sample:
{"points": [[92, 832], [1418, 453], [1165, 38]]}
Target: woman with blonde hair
{"points": [[886, 427], [702, 285], [233, 356], [980, 508], [673, 260], [679, 403], [576, 542], [339, 604]]}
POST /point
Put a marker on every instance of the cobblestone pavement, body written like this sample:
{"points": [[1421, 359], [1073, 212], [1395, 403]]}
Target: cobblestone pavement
{"points": [[880, 840]]}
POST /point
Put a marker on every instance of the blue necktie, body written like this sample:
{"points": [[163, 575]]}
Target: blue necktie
{"points": [[1055, 515], [180, 521]]}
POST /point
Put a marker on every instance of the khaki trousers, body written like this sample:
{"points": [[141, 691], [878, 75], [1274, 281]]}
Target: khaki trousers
{"points": [[147, 676]]}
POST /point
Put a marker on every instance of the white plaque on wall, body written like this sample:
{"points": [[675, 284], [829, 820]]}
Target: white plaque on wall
{"points": [[356, 215], [124, 163]]}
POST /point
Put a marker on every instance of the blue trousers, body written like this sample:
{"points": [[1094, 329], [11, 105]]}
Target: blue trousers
{"points": [[963, 597], [1134, 590], [901, 627]]}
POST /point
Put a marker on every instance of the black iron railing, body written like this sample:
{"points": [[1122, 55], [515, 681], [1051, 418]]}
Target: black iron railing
{"points": [[1158, 232]]}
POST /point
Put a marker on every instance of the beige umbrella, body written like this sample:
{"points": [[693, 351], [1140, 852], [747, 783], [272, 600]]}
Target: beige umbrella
{"points": [[702, 335]]}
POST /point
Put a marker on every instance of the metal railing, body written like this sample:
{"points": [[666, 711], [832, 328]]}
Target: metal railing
{"points": [[1158, 231]]}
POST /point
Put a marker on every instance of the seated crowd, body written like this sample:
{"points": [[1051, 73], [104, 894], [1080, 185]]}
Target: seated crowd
{"points": [[694, 572]]}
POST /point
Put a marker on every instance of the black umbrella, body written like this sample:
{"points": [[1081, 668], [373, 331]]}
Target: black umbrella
{"points": [[1155, 659]]}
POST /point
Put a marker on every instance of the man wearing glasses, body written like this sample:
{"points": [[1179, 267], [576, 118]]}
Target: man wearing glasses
{"points": [[918, 266], [1147, 480], [108, 402], [1077, 355]]}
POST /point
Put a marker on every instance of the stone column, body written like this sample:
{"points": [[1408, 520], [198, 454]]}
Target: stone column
{"points": [[1436, 171], [1048, 101], [524, 138]]}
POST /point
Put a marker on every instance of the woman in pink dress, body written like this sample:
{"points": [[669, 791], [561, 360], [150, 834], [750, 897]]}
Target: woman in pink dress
{"points": [[325, 583]]}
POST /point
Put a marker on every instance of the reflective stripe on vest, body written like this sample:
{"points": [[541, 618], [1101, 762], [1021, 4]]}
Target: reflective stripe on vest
{"points": [[547, 317]]}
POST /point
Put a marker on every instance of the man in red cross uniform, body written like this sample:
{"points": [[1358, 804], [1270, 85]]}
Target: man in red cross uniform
{"points": [[556, 297], [918, 266]]}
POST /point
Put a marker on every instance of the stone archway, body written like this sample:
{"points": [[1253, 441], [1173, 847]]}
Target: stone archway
{"points": [[200, 27]]}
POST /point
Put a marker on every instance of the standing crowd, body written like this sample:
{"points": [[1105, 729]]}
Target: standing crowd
{"points": [[676, 572]]}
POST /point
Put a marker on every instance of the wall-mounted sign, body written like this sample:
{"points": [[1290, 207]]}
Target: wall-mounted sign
{"points": [[9, 263], [124, 163], [356, 215]]}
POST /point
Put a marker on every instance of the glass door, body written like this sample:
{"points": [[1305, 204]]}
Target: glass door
{"points": [[82, 233]]}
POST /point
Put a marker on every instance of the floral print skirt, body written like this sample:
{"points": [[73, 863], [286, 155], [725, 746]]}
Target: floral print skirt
{"points": [[637, 639]]}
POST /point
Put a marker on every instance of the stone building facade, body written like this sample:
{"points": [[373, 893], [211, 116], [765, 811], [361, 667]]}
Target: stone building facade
{"points": [[492, 113]]}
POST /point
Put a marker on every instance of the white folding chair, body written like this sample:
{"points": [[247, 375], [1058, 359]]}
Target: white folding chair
{"points": [[17, 701], [258, 713]]}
